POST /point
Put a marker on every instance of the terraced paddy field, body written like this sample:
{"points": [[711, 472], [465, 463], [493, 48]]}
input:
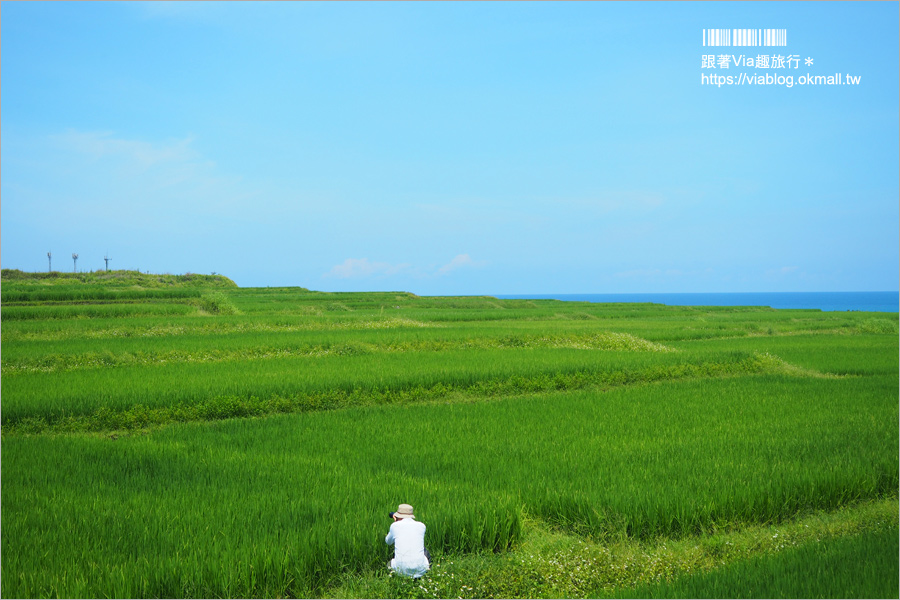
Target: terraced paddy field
{"points": [[178, 436]]}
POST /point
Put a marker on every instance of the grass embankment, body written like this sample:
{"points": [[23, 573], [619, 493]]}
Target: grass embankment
{"points": [[553, 449], [858, 566], [848, 553]]}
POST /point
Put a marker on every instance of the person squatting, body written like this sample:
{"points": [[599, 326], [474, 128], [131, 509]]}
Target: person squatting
{"points": [[408, 537]]}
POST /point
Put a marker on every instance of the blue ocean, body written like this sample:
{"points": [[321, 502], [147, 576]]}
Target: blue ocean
{"points": [[826, 301]]}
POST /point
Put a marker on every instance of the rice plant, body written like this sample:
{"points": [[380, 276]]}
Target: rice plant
{"points": [[638, 422], [296, 498], [860, 566]]}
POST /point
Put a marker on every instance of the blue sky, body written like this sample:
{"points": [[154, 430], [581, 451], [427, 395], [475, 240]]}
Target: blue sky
{"points": [[451, 148]]}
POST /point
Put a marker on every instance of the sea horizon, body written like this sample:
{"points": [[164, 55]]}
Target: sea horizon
{"points": [[824, 301]]}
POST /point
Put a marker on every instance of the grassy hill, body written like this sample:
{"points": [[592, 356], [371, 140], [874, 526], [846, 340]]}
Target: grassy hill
{"points": [[114, 279]]}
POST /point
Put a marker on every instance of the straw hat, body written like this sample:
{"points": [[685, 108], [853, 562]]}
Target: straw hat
{"points": [[404, 511]]}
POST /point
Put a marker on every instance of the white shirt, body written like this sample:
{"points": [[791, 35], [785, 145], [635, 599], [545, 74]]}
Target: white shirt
{"points": [[408, 537]]}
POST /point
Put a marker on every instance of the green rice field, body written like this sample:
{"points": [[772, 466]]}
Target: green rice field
{"points": [[179, 436]]}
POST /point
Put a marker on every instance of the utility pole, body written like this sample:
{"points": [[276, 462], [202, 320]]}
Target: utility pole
{"points": [[106, 258], [49, 263], [75, 260]]}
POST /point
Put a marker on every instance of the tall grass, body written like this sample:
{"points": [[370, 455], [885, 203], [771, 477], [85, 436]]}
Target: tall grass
{"points": [[84, 354], [93, 311], [277, 506], [337, 380], [608, 421], [856, 355], [861, 566], [81, 294]]}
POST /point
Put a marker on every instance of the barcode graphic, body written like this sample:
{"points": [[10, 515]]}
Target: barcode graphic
{"points": [[745, 37]]}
